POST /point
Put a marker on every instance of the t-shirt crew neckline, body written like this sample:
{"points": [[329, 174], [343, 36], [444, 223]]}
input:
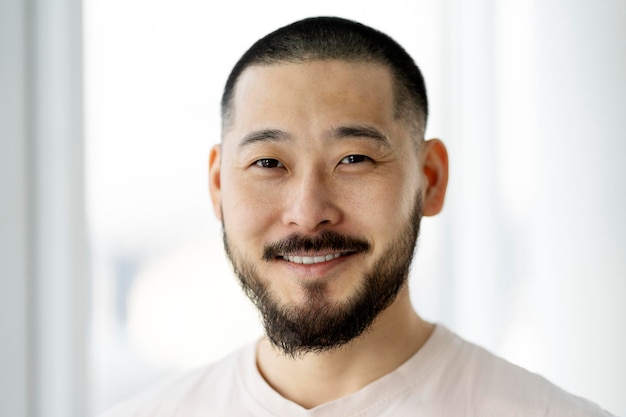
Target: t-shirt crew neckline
{"points": [[378, 393]]}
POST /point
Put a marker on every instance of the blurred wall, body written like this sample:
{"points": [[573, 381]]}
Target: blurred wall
{"points": [[43, 279], [13, 217]]}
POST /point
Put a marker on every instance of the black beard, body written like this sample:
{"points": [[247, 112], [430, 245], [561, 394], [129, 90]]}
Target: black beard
{"points": [[320, 325]]}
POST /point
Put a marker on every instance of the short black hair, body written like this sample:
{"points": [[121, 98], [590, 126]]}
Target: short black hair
{"points": [[325, 38]]}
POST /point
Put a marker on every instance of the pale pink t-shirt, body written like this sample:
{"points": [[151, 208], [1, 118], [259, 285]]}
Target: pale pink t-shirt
{"points": [[446, 377]]}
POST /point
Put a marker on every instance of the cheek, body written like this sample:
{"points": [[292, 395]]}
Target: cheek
{"points": [[381, 208], [248, 209]]}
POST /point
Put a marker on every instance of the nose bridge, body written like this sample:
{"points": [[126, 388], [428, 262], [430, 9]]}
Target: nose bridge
{"points": [[310, 200]]}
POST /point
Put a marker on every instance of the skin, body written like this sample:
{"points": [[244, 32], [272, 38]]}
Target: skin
{"points": [[312, 177]]}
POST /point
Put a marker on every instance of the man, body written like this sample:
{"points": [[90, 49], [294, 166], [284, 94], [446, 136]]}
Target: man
{"points": [[320, 182]]}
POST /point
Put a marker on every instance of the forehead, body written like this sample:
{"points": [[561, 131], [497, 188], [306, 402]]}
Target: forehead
{"points": [[313, 93]]}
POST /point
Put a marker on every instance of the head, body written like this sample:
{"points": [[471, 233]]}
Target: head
{"points": [[331, 38], [322, 178]]}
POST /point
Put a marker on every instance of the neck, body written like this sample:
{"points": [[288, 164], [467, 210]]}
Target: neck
{"points": [[316, 378]]}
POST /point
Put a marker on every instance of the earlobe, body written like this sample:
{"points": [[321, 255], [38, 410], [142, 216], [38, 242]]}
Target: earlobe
{"points": [[435, 169], [215, 184]]}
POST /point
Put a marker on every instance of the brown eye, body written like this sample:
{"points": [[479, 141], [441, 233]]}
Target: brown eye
{"points": [[268, 163], [355, 159]]}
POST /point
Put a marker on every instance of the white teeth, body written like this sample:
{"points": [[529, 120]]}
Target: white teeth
{"points": [[308, 260]]}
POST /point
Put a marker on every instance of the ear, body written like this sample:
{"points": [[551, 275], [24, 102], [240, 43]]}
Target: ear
{"points": [[215, 180], [435, 169]]}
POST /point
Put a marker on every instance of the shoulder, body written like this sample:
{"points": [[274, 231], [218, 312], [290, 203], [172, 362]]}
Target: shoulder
{"points": [[494, 386], [190, 391]]}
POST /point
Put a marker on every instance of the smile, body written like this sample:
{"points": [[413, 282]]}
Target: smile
{"points": [[308, 260]]}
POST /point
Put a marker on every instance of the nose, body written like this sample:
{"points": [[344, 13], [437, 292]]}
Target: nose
{"points": [[311, 204]]}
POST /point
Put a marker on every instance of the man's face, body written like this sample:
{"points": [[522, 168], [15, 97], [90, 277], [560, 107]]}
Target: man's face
{"points": [[319, 189]]}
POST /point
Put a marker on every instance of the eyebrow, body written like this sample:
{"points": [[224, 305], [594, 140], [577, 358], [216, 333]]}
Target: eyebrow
{"points": [[265, 135], [358, 132]]}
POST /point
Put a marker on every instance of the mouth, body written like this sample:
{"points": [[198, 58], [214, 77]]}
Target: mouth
{"points": [[328, 248], [311, 259]]}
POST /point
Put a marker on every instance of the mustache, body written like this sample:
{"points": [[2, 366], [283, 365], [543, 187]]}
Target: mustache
{"points": [[326, 240]]}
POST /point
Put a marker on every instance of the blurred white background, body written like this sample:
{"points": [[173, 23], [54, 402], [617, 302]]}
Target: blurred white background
{"points": [[528, 258]]}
